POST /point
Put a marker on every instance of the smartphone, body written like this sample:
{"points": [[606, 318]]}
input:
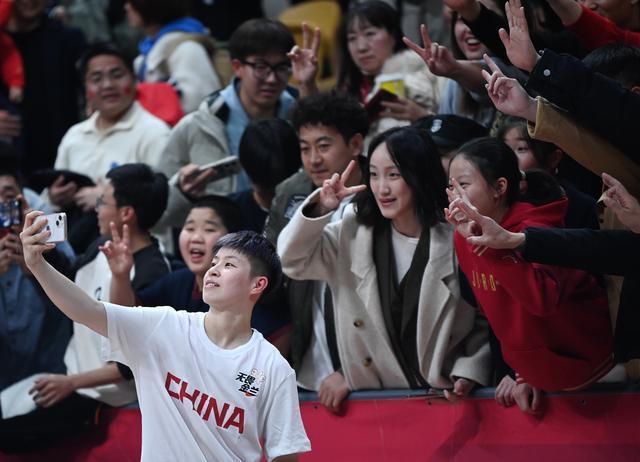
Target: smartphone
{"points": [[57, 224], [10, 214], [224, 167]]}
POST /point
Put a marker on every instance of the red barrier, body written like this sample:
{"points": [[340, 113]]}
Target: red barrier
{"points": [[581, 428]]}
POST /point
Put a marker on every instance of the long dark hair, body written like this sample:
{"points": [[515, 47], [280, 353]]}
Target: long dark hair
{"points": [[416, 156], [494, 159], [378, 14]]}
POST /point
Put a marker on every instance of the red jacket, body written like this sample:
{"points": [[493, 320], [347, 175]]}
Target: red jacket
{"points": [[11, 67], [594, 31], [553, 323]]}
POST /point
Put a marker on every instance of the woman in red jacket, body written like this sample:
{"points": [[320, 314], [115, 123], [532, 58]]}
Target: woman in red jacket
{"points": [[552, 323]]}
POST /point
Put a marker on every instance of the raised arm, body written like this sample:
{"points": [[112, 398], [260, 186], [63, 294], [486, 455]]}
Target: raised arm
{"points": [[66, 295], [441, 62]]}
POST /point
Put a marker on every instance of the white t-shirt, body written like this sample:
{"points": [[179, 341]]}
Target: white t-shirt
{"points": [[200, 402], [403, 249], [84, 350]]}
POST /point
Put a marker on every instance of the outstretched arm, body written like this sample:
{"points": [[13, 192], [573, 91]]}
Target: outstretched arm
{"points": [[66, 295]]}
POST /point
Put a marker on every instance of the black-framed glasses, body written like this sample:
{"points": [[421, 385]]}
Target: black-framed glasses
{"points": [[100, 202], [261, 70]]}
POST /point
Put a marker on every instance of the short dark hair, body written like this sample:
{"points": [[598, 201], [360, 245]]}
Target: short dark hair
{"points": [[261, 254], [100, 49], [494, 159], [138, 186], [617, 61], [225, 208], [160, 12], [378, 14], [269, 152], [334, 109], [450, 131], [418, 160], [258, 37]]}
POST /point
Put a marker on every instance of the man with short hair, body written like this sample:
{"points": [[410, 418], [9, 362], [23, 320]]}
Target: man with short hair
{"points": [[331, 128], [119, 131], [33, 336], [134, 198], [262, 69]]}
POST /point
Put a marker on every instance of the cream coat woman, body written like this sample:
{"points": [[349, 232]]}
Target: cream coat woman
{"points": [[451, 337]]}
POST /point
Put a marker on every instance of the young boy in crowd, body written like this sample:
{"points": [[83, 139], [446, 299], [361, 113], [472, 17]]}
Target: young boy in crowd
{"points": [[209, 386]]}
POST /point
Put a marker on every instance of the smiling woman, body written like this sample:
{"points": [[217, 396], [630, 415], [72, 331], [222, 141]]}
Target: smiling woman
{"points": [[380, 261], [372, 50]]}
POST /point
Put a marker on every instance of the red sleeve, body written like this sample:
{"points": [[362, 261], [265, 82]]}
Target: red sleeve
{"points": [[594, 31], [11, 67], [5, 12]]}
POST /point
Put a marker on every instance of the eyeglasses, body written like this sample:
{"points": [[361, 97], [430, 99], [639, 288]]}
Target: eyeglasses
{"points": [[261, 70], [100, 202]]}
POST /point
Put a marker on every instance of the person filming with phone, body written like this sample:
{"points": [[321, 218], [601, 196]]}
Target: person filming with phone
{"points": [[33, 334]]}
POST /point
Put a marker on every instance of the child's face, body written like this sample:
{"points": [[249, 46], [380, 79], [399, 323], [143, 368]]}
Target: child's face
{"points": [[481, 194], [515, 139], [228, 281], [202, 229], [108, 211]]}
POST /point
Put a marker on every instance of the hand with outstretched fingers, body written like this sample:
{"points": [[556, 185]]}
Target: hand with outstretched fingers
{"points": [[118, 251], [304, 59], [437, 57], [624, 205], [517, 42], [507, 95], [334, 190], [486, 232]]}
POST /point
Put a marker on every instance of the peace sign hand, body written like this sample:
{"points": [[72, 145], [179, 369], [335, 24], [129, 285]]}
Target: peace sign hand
{"points": [[437, 57], [304, 60], [118, 252], [334, 190]]}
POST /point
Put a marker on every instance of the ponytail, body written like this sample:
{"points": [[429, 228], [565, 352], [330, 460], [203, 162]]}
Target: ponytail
{"points": [[540, 188]]}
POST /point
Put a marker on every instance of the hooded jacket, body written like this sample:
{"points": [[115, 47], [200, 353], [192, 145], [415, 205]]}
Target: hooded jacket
{"points": [[552, 323]]}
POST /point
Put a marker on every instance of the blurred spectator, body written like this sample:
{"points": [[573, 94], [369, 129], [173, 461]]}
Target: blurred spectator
{"points": [[33, 333], [262, 69], [270, 153], [119, 131], [536, 154], [372, 50], [222, 17], [176, 49], [52, 90], [449, 132], [132, 201]]}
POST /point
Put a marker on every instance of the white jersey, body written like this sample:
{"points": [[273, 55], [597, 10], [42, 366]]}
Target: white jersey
{"points": [[200, 402]]}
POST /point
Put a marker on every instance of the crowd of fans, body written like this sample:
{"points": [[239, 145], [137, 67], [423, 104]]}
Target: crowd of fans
{"points": [[476, 229]]}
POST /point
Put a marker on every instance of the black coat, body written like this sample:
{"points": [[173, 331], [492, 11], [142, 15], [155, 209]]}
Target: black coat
{"points": [[599, 103], [614, 252]]}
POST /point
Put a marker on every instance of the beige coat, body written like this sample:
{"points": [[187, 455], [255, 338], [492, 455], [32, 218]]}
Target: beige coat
{"points": [[452, 338]]}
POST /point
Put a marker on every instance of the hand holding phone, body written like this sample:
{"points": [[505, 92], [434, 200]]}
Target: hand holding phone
{"points": [[57, 225]]}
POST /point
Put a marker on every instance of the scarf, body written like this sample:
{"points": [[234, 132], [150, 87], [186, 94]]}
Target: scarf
{"points": [[400, 301]]}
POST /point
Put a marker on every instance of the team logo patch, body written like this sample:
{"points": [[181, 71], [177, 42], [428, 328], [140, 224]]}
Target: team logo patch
{"points": [[250, 383], [295, 201]]}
